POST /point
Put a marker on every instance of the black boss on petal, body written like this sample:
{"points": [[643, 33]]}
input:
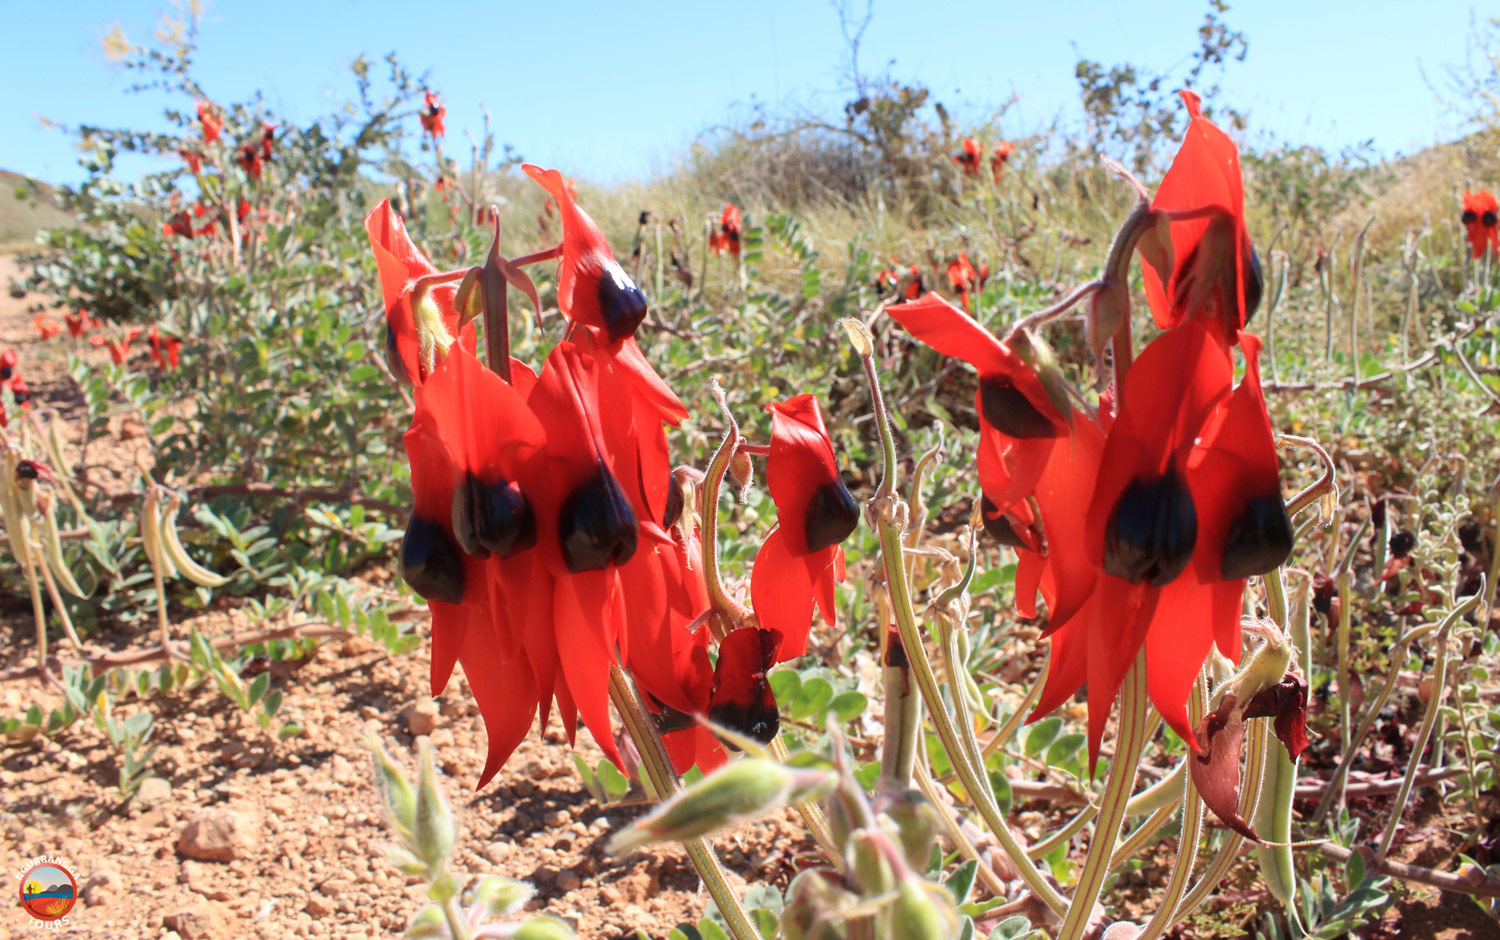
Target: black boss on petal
{"points": [[1470, 217], [1009, 411], [1254, 284], [1151, 531], [493, 517], [758, 720], [831, 515], [596, 526], [998, 526], [1259, 539], [431, 563], [621, 303], [1489, 219]]}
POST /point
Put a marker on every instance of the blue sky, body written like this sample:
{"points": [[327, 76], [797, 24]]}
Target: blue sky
{"points": [[611, 91]]}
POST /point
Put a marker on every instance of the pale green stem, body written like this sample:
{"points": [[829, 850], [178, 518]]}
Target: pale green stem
{"points": [[664, 781], [811, 813], [1165, 792], [1187, 844], [951, 825], [1122, 770], [1008, 730], [1439, 683], [1060, 837], [1142, 834]]}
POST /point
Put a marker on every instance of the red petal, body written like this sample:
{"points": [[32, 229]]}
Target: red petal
{"points": [[581, 603], [800, 463], [505, 695], [586, 259], [781, 591], [1179, 637]]}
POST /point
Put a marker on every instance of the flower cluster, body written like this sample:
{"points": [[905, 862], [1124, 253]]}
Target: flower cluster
{"points": [[725, 236], [10, 378], [432, 114], [550, 536], [972, 155], [1138, 522]]}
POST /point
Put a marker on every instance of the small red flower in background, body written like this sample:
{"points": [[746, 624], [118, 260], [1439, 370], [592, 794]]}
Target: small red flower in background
{"points": [[46, 326], [164, 350], [79, 322], [964, 279], [800, 562], [180, 224], [20, 392], [432, 115], [1481, 222], [887, 281], [968, 160], [119, 350], [1003, 150], [727, 236], [8, 362], [212, 121], [193, 159], [916, 287], [252, 160], [268, 138], [1209, 270]]}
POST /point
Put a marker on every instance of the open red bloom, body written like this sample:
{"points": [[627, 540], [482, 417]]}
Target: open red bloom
{"points": [[1481, 223], [414, 304], [8, 362], [180, 224], [211, 120], [916, 287], [727, 236], [46, 326], [968, 159], [432, 114], [20, 392], [592, 288], [193, 159], [802, 559], [964, 279], [887, 281], [1003, 150], [252, 160], [1207, 268]]}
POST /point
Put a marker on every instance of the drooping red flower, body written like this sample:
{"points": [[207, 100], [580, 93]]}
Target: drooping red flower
{"points": [[180, 224], [414, 303], [802, 559], [193, 159], [1481, 223], [78, 323], [1018, 421], [211, 120], [592, 288], [964, 279], [968, 159], [432, 114], [252, 160], [8, 362], [1207, 268], [165, 350], [46, 326], [887, 281], [727, 236], [20, 392], [915, 287], [742, 700], [119, 349], [1003, 150]]}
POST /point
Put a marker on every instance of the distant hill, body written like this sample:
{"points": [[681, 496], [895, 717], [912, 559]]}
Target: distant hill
{"points": [[21, 218]]}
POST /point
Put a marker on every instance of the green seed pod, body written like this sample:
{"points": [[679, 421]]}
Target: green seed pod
{"points": [[1273, 823], [429, 924], [544, 928], [395, 792], [814, 899], [871, 869], [495, 896], [916, 826]]}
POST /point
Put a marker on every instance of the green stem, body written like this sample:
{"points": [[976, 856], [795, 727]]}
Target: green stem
{"points": [[1142, 834], [1187, 844], [1128, 746], [659, 770], [458, 924], [811, 813], [978, 789]]}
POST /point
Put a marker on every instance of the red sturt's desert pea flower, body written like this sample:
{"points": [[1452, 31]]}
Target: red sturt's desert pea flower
{"points": [[1481, 222], [8, 362], [164, 350], [193, 159], [20, 392], [726, 237], [180, 224], [211, 120], [1208, 269], [968, 159], [1003, 150], [964, 279], [252, 160], [415, 294], [887, 280], [119, 350], [432, 114], [915, 287], [800, 562], [46, 326], [80, 322]]}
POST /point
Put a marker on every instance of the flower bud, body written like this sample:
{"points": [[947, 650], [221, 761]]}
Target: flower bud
{"points": [[859, 337], [433, 829], [872, 869], [543, 928], [743, 790], [916, 824], [395, 792], [494, 896], [742, 470], [429, 924], [923, 912], [814, 899]]}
